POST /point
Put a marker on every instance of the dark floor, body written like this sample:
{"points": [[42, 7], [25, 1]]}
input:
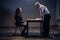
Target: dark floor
{"points": [[23, 38], [7, 33]]}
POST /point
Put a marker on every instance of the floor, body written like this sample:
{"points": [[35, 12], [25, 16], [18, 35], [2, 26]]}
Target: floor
{"points": [[23, 38], [7, 34]]}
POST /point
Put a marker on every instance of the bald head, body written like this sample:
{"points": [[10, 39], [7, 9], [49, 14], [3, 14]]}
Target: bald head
{"points": [[37, 4]]}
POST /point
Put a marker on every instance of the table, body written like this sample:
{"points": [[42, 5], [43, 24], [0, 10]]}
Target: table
{"points": [[32, 20]]}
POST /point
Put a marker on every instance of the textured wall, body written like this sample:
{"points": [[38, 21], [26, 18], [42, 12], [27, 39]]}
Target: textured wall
{"points": [[8, 7], [57, 9]]}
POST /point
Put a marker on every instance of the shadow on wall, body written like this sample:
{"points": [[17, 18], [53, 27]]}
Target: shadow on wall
{"points": [[6, 17]]}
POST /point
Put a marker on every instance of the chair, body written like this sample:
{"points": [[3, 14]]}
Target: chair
{"points": [[22, 26], [56, 27]]}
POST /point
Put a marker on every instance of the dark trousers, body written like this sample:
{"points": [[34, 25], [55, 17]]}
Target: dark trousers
{"points": [[23, 31], [46, 24]]}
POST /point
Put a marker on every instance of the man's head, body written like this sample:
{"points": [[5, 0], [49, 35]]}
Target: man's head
{"points": [[19, 10], [37, 4]]}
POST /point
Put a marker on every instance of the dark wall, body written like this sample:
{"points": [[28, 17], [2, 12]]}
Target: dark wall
{"points": [[8, 7], [57, 9]]}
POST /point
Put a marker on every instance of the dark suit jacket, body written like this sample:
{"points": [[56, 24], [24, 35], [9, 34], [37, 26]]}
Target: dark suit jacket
{"points": [[18, 20]]}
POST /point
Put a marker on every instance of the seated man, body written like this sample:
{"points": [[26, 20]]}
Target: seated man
{"points": [[18, 19]]}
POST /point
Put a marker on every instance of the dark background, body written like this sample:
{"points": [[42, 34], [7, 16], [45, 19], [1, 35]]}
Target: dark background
{"points": [[8, 7]]}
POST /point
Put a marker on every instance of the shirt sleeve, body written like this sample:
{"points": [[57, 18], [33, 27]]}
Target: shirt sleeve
{"points": [[46, 10]]}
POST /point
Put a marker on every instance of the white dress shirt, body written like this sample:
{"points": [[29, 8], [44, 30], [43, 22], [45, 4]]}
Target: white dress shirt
{"points": [[43, 10]]}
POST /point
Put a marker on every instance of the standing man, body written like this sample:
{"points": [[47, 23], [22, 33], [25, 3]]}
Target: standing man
{"points": [[45, 14]]}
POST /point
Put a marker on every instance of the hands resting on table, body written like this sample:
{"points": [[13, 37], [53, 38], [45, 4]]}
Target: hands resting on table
{"points": [[24, 23], [35, 19], [38, 19]]}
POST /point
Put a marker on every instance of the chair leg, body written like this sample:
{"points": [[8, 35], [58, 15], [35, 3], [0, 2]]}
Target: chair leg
{"points": [[23, 31], [15, 30]]}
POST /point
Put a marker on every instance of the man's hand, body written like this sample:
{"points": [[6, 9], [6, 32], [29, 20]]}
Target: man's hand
{"points": [[24, 23]]}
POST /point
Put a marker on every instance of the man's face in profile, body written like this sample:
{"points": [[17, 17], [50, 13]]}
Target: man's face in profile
{"points": [[37, 5], [20, 10]]}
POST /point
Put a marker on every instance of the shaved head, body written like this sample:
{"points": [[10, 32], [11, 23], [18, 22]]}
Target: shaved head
{"points": [[37, 4]]}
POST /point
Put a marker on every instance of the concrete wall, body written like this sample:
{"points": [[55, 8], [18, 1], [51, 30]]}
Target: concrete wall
{"points": [[8, 7], [57, 9]]}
